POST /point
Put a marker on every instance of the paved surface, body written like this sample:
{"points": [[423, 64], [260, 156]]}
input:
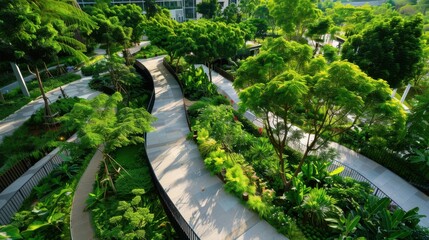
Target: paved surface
{"points": [[77, 88], [400, 191], [28, 78], [200, 197], [80, 219]]}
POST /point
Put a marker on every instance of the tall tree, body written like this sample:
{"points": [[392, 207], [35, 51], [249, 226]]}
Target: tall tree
{"points": [[247, 7], [388, 49], [232, 14], [308, 92], [212, 41], [209, 8], [34, 32], [151, 8], [294, 16], [131, 16], [99, 121]]}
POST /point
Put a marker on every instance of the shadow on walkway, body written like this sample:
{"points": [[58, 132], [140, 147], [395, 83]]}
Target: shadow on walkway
{"points": [[399, 190], [178, 166]]}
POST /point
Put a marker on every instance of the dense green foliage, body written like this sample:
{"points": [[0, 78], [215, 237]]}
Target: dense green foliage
{"points": [[150, 51], [32, 140], [135, 212], [399, 42], [323, 205], [46, 213]]}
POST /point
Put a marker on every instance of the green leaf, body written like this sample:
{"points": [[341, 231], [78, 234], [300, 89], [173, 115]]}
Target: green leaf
{"points": [[351, 225], [337, 171], [9, 232]]}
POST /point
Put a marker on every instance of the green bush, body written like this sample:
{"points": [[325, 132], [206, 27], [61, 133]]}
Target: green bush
{"points": [[88, 70], [150, 51], [196, 84], [237, 182], [132, 179], [135, 211], [46, 213], [258, 205], [32, 140], [317, 206]]}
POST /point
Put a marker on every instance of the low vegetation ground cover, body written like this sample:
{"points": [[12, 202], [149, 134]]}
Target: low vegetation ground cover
{"points": [[135, 211], [46, 213], [149, 52], [320, 204], [33, 139]]}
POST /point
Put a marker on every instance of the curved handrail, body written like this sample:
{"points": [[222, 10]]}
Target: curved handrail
{"points": [[11, 204], [350, 172]]}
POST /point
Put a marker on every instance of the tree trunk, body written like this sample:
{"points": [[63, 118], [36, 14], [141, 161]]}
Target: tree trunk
{"points": [[282, 171], [210, 72], [2, 98], [297, 170], [48, 113]]}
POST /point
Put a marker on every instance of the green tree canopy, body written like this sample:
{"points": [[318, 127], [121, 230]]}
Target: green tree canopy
{"points": [[209, 8], [285, 86], [294, 16], [231, 14], [100, 122], [212, 41], [37, 31], [388, 49]]}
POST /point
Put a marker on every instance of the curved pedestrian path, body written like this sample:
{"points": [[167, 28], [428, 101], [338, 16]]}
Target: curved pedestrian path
{"points": [[77, 88], [200, 198], [399, 190], [80, 219]]}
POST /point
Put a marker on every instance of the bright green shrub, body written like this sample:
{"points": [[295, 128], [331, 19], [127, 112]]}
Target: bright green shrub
{"points": [[317, 206], [208, 146], [196, 84], [257, 204], [216, 161], [237, 182]]}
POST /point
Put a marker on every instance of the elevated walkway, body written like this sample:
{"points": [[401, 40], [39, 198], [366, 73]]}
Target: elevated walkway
{"points": [[200, 198]]}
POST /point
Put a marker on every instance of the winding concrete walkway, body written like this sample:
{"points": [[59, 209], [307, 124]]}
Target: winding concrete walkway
{"points": [[77, 88], [177, 163], [80, 220], [400, 191]]}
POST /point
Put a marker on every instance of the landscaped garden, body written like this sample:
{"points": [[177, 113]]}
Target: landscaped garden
{"points": [[298, 84]]}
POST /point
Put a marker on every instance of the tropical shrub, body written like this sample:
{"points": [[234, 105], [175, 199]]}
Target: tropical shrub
{"points": [[30, 142], [380, 222], [197, 84], [237, 182], [135, 211], [317, 206], [45, 214], [132, 220]]}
